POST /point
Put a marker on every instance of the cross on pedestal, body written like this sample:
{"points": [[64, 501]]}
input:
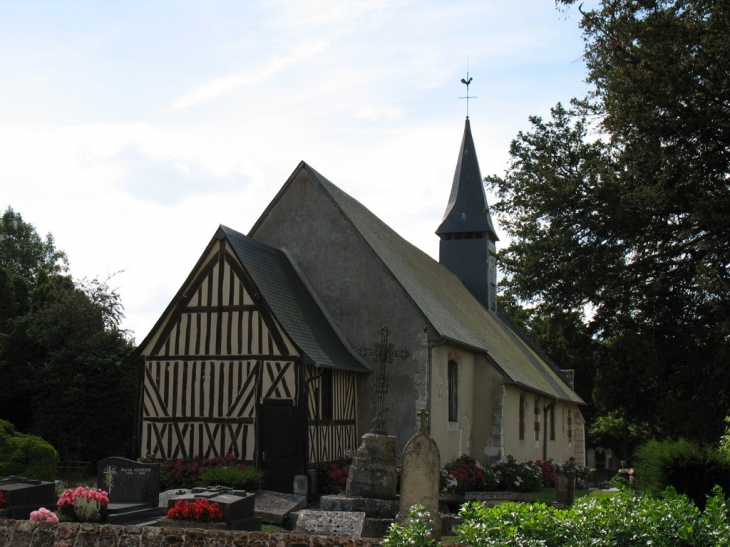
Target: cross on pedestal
{"points": [[383, 354]]}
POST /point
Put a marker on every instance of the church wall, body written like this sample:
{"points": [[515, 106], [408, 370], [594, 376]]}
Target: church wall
{"points": [[357, 292], [453, 436], [568, 428], [490, 396]]}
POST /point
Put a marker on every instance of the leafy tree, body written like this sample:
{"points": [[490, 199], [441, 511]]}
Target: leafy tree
{"points": [[58, 348], [23, 252], [618, 207]]}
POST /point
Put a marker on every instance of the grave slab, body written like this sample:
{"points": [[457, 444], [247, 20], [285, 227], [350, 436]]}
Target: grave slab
{"points": [[330, 523], [274, 507], [26, 495], [234, 504]]}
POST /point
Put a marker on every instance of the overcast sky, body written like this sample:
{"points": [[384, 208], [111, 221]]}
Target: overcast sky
{"points": [[131, 129]]}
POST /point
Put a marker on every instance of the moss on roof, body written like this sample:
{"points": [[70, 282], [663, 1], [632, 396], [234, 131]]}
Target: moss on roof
{"points": [[447, 304]]}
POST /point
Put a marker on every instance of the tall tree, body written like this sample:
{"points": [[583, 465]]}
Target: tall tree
{"points": [[618, 206], [23, 252], [60, 340]]}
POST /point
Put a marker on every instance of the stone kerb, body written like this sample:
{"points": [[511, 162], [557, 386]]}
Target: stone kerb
{"points": [[23, 533]]}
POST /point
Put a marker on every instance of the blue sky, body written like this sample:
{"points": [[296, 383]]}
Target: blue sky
{"points": [[131, 130]]}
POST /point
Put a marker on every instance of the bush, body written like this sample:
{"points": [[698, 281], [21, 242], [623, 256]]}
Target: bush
{"points": [[249, 478], [467, 475], [626, 519], [187, 472], [332, 476], [518, 476], [25, 455], [687, 467], [415, 534]]}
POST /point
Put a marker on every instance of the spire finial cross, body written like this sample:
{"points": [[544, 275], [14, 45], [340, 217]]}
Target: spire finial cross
{"points": [[466, 81], [383, 354]]}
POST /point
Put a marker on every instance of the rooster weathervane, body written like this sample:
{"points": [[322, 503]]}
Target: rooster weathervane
{"points": [[466, 81]]}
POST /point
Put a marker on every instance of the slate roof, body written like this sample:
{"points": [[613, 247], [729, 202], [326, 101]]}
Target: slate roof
{"points": [[293, 305], [467, 209], [446, 303]]}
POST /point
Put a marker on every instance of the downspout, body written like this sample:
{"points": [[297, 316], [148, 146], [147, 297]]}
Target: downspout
{"points": [[430, 378], [547, 409]]}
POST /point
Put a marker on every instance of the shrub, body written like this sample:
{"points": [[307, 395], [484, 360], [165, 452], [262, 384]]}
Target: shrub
{"points": [[687, 467], [518, 476], [25, 455], [249, 478], [187, 472], [415, 534], [333, 476], [626, 519], [467, 475]]}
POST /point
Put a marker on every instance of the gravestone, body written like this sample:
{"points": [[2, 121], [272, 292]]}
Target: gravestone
{"points": [[330, 523], [420, 475], [128, 481], [565, 487], [26, 495], [237, 507]]}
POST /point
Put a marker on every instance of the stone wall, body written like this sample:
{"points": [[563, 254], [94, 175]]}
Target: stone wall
{"points": [[24, 533]]}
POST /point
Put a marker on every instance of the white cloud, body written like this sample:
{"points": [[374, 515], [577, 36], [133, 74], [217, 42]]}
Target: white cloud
{"points": [[221, 86]]}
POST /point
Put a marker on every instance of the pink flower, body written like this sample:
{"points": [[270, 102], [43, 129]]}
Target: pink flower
{"points": [[44, 515]]}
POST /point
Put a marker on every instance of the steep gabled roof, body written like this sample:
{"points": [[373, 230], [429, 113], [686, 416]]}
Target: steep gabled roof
{"points": [[442, 298], [286, 295], [292, 304], [467, 209]]}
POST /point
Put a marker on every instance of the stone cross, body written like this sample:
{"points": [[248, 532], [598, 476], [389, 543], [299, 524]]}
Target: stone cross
{"points": [[423, 415], [383, 354]]}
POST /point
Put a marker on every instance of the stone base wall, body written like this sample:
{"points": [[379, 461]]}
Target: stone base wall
{"points": [[24, 533]]}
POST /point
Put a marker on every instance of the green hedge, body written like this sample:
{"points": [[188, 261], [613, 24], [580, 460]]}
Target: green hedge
{"points": [[627, 519], [25, 455], [249, 479], [687, 467]]}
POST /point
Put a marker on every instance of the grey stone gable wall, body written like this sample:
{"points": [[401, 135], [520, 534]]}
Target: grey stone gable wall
{"points": [[358, 292]]}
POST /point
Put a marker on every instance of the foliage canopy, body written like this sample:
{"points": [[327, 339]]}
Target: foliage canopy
{"points": [[59, 342], [617, 207]]}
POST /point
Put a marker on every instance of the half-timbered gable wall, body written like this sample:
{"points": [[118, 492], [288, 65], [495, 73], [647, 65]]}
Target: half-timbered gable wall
{"points": [[331, 414], [216, 356]]}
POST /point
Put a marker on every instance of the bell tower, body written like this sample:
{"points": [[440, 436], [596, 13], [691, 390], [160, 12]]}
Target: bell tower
{"points": [[468, 239]]}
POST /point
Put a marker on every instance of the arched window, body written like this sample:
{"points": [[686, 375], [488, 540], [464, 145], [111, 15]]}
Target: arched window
{"points": [[453, 374], [523, 404]]}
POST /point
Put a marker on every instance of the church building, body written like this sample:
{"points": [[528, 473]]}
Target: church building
{"points": [[256, 355]]}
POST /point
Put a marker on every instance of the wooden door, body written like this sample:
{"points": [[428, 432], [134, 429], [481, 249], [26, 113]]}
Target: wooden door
{"points": [[278, 445]]}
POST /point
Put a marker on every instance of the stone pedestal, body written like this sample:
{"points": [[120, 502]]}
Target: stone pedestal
{"points": [[373, 472]]}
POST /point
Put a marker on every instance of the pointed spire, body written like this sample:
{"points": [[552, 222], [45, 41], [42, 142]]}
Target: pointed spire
{"points": [[467, 210]]}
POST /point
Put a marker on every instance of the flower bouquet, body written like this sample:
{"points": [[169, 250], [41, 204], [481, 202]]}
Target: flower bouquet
{"points": [[44, 515], [83, 504], [200, 510]]}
